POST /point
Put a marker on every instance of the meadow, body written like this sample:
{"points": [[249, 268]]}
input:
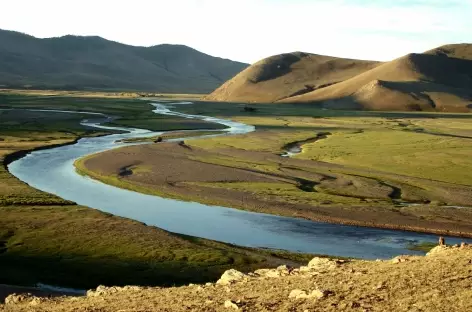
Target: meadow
{"points": [[46, 239], [388, 169]]}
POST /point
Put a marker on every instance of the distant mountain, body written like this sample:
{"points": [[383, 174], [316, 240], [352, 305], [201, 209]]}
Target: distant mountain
{"points": [[283, 76], [74, 62], [437, 80]]}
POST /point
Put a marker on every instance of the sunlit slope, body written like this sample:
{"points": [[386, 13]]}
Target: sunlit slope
{"points": [[440, 79], [286, 75]]}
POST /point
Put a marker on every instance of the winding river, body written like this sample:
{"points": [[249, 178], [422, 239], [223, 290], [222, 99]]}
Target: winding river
{"points": [[52, 171]]}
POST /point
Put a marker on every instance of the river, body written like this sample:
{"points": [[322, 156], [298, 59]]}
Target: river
{"points": [[52, 171]]}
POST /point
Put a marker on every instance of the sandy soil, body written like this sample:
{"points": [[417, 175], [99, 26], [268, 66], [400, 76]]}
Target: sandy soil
{"points": [[441, 281], [173, 170]]}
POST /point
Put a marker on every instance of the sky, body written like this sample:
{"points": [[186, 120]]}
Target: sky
{"points": [[249, 30]]}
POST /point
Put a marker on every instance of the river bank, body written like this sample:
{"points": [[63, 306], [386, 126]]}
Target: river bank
{"points": [[47, 239], [170, 170], [56, 174]]}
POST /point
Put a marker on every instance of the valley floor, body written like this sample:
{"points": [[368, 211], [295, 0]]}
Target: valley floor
{"points": [[400, 173]]}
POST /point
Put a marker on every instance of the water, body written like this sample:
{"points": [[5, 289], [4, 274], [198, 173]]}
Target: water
{"points": [[52, 171]]}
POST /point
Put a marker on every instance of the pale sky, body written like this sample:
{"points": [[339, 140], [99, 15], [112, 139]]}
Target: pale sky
{"points": [[248, 30]]}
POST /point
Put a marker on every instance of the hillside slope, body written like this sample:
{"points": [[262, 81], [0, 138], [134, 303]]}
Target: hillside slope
{"points": [[73, 62], [437, 80], [441, 281], [282, 76]]}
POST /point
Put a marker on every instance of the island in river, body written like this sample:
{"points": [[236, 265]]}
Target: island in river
{"points": [[387, 170]]}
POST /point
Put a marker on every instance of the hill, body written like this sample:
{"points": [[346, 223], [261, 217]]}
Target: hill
{"points": [[73, 62], [440, 79], [439, 281], [282, 76], [436, 80]]}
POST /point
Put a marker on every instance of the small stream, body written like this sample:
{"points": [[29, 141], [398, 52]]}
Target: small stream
{"points": [[52, 171]]}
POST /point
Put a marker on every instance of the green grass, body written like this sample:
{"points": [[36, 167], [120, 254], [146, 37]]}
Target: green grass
{"points": [[424, 246], [81, 247], [46, 239], [130, 112], [408, 153]]}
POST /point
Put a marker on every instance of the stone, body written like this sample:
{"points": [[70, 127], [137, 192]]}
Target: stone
{"points": [[230, 277], [437, 249], [442, 241], [314, 294], [380, 286], [322, 264], [16, 299], [231, 305], [297, 294], [400, 259], [284, 268], [318, 294]]}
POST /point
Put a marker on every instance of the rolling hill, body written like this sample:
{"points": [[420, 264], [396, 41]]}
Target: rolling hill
{"points": [[283, 76], [73, 62], [437, 80]]}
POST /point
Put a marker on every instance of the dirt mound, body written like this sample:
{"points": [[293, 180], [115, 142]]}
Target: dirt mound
{"points": [[285, 75], [438, 282], [438, 80]]}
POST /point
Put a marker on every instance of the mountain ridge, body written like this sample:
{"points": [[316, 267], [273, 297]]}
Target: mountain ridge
{"points": [[92, 62]]}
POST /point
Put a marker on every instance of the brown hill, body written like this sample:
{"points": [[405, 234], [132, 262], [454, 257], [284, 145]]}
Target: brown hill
{"points": [[440, 79], [74, 62], [286, 75]]}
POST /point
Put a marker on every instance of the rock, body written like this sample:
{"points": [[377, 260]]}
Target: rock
{"points": [[103, 290], [318, 294], [380, 286], [280, 271], [315, 294], [16, 299], [400, 259], [463, 245], [231, 305], [35, 301], [297, 294], [284, 268], [231, 276], [437, 249], [322, 264]]}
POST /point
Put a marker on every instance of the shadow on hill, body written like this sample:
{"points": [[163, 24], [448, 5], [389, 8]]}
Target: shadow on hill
{"points": [[441, 69], [275, 66]]}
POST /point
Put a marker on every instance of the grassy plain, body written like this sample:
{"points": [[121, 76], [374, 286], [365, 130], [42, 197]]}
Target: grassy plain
{"points": [[46, 239], [387, 169]]}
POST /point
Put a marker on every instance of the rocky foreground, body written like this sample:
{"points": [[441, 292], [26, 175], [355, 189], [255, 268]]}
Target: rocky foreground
{"points": [[440, 281]]}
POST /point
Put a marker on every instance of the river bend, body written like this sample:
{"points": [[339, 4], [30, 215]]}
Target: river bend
{"points": [[53, 171]]}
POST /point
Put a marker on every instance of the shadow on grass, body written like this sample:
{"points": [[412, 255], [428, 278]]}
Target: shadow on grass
{"points": [[88, 272]]}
